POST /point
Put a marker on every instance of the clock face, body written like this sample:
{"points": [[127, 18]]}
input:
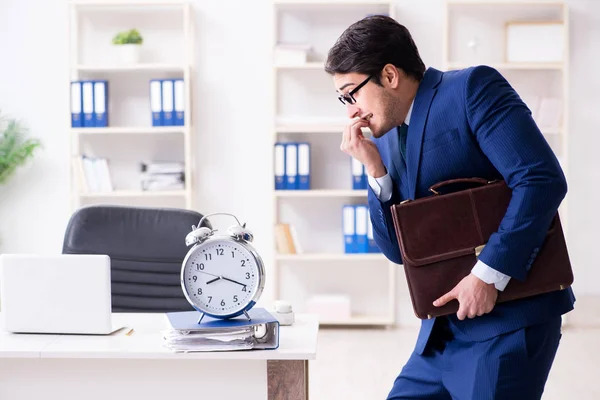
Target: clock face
{"points": [[221, 277]]}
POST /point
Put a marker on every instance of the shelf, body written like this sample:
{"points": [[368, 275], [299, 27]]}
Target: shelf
{"points": [[510, 66], [128, 68], [359, 320], [504, 3], [550, 131], [321, 193], [318, 65], [331, 257], [132, 3], [313, 128], [309, 128], [332, 3], [143, 130], [134, 193]]}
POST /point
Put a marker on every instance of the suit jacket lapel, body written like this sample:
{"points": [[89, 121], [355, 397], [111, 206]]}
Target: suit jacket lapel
{"points": [[416, 127]]}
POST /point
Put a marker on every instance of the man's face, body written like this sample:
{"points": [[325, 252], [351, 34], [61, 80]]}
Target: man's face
{"points": [[373, 102]]}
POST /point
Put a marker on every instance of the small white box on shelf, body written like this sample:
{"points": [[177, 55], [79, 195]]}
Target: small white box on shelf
{"points": [[291, 54], [330, 307], [533, 42], [550, 112]]}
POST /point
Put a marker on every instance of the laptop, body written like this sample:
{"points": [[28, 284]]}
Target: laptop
{"points": [[60, 294]]}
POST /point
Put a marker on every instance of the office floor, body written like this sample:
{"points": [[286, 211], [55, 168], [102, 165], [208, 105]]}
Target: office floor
{"points": [[355, 364]]}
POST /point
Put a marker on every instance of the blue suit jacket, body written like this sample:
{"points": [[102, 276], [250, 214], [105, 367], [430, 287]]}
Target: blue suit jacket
{"points": [[471, 123]]}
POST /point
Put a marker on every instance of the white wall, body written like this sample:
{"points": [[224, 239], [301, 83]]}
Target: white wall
{"points": [[233, 116]]}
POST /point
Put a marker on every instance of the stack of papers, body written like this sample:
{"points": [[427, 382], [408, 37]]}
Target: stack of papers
{"points": [[209, 340], [184, 334]]}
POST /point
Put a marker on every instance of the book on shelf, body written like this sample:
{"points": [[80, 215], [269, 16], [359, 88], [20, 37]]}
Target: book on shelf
{"points": [[93, 174], [167, 102], [359, 175], [89, 104], [357, 230], [286, 239], [292, 165]]}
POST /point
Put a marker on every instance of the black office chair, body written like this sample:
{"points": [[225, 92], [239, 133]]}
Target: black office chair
{"points": [[146, 247]]}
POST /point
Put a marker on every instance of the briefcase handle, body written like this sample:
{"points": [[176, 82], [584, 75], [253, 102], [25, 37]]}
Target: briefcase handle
{"points": [[479, 181]]}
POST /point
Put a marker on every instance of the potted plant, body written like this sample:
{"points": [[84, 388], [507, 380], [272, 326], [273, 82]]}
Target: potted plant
{"points": [[15, 148], [130, 44]]}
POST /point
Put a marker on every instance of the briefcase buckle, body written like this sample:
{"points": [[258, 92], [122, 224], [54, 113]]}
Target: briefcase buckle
{"points": [[478, 250]]}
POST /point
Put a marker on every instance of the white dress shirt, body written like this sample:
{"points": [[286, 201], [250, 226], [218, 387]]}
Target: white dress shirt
{"points": [[382, 187]]}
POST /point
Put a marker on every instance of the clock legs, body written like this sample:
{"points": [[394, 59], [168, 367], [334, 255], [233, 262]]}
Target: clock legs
{"points": [[202, 316]]}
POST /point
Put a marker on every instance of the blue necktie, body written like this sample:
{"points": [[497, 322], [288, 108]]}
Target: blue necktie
{"points": [[402, 133]]}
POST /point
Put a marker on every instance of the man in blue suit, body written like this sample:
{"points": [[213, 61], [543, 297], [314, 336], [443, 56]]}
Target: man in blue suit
{"points": [[430, 126]]}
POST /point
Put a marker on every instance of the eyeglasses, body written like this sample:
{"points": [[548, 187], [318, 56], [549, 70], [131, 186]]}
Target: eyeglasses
{"points": [[349, 97]]}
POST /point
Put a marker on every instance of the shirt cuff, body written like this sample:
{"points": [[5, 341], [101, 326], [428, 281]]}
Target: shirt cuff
{"points": [[381, 186], [490, 275]]}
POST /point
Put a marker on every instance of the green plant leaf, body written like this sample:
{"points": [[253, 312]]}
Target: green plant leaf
{"points": [[128, 37], [15, 148]]}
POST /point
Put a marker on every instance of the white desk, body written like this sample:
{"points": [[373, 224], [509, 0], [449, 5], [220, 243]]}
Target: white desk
{"points": [[117, 366]]}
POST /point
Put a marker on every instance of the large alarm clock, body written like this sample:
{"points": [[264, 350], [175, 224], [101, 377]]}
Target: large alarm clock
{"points": [[222, 275]]}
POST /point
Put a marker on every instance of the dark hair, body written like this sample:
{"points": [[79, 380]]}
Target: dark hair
{"points": [[371, 43]]}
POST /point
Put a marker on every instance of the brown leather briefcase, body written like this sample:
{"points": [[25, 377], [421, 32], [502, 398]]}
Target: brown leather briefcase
{"points": [[440, 237]]}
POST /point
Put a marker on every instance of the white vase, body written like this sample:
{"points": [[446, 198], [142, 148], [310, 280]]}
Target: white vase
{"points": [[129, 53]]}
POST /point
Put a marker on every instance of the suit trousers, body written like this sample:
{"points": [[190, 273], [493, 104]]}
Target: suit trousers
{"points": [[511, 366]]}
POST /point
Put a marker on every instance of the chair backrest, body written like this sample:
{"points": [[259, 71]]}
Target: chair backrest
{"points": [[146, 247]]}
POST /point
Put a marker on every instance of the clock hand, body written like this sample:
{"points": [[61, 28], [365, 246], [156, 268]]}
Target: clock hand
{"points": [[208, 273], [231, 280], [213, 280]]}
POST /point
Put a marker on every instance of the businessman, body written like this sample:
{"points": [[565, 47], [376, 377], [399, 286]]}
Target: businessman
{"points": [[430, 126]]}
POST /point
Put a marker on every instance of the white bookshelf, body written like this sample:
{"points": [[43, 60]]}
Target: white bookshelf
{"points": [[484, 23], [358, 320], [134, 130], [129, 139], [129, 68], [306, 110], [134, 194]]}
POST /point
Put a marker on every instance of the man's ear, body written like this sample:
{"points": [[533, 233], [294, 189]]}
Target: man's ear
{"points": [[390, 76]]}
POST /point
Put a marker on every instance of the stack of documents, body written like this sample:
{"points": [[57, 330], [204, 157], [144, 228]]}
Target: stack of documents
{"points": [[211, 340], [184, 334], [163, 176]]}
